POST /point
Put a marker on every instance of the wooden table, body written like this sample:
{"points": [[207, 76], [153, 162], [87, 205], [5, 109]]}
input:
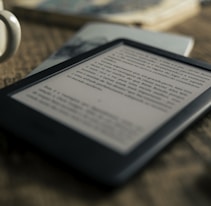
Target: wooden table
{"points": [[177, 176]]}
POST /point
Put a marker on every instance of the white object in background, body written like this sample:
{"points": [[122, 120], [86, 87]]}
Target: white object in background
{"points": [[95, 34], [10, 33]]}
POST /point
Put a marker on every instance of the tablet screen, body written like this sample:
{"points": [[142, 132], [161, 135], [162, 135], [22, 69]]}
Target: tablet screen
{"points": [[119, 97]]}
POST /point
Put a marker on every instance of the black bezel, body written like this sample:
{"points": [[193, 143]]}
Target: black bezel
{"points": [[84, 154]]}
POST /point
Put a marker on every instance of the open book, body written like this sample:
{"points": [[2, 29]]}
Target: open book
{"points": [[152, 14], [95, 34]]}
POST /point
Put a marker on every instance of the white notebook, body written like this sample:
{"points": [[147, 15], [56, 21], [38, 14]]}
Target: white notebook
{"points": [[95, 34]]}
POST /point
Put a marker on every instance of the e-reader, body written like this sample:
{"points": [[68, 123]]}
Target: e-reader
{"points": [[107, 112]]}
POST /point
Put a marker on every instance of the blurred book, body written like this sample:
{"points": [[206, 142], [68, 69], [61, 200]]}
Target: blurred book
{"points": [[151, 14], [96, 34]]}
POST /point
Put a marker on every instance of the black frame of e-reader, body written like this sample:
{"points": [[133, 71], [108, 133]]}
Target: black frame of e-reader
{"points": [[80, 152]]}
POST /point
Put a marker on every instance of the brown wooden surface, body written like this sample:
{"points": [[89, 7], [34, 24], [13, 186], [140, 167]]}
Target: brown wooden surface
{"points": [[177, 176]]}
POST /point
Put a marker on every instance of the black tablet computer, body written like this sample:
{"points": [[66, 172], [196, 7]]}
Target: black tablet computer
{"points": [[109, 111]]}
